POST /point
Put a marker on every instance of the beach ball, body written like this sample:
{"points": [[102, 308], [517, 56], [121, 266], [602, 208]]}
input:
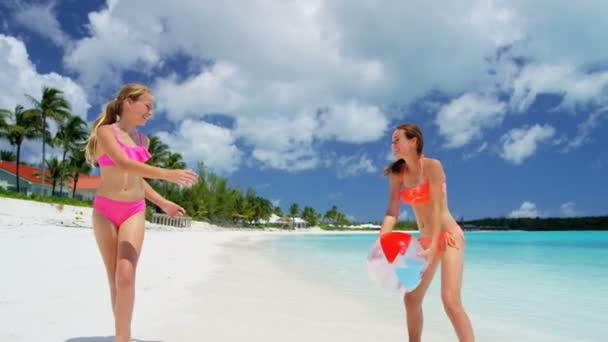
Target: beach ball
{"points": [[394, 263]]}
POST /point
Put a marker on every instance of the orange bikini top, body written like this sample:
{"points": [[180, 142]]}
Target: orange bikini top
{"points": [[419, 194]]}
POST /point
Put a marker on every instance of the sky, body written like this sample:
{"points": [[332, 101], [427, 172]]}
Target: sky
{"points": [[298, 99]]}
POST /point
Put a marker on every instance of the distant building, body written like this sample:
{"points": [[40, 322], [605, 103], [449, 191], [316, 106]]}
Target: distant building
{"points": [[86, 187], [29, 182], [364, 226], [286, 221], [29, 178]]}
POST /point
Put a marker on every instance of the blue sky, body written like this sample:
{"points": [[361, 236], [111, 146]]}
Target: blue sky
{"points": [[298, 99]]}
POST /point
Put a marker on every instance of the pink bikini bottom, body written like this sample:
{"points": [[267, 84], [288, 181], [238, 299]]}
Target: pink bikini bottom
{"points": [[117, 211]]}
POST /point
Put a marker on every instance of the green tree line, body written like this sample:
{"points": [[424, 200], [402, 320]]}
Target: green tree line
{"points": [[540, 223]]}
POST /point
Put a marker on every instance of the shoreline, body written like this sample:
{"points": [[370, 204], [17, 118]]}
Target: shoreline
{"points": [[187, 286], [217, 284], [42, 213], [281, 305]]}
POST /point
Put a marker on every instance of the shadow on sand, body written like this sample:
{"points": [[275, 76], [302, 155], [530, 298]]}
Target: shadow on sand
{"points": [[103, 339]]}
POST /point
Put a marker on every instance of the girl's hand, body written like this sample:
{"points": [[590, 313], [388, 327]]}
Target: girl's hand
{"points": [[186, 178], [172, 209], [429, 254]]}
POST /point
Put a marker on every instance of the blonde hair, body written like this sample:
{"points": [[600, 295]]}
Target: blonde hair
{"points": [[110, 114], [410, 131]]}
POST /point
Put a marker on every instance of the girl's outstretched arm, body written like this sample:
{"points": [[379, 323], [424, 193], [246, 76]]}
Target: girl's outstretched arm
{"points": [[107, 141], [164, 204]]}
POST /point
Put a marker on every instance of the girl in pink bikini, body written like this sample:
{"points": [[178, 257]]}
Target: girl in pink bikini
{"points": [[420, 182], [119, 204]]}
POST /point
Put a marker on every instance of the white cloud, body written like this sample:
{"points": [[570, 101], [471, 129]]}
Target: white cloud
{"points": [[464, 118], [316, 54], [290, 142], [216, 90], [307, 55], [114, 46], [281, 141], [201, 141], [521, 143], [466, 31], [18, 76], [527, 209], [585, 128], [563, 26], [576, 86], [41, 18], [476, 152], [352, 122], [349, 166], [502, 25], [568, 209], [319, 36]]}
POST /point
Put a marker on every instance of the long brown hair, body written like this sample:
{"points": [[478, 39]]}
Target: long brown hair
{"points": [[410, 131], [110, 114]]}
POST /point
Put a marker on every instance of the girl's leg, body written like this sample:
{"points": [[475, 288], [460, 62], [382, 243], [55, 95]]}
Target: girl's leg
{"points": [[452, 262], [130, 239], [107, 237], [413, 304]]}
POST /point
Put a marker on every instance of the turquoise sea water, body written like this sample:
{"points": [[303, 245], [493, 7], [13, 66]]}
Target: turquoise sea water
{"points": [[532, 286]]}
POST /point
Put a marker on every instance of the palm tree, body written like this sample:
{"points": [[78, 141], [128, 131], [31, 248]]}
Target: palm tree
{"points": [[309, 215], [23, 126], [71, 136], [7, 155], [331, 216], [158, 150], [335, 217], [77, 165], [55, 172], [4, 114], [174, 161], [263, 208], [53, 106], [294, 209]]}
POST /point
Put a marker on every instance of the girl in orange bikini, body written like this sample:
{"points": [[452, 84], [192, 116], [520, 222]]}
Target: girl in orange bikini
{"points": [[420, 182], [119, 204]]}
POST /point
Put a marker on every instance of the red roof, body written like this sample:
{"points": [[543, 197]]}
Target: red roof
{"points": [[86, 182], [32, 174], [26, 172]]}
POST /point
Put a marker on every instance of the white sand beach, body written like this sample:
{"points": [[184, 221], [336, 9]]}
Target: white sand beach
{"points": [[53, 287], [199, 284], [205, 283]]}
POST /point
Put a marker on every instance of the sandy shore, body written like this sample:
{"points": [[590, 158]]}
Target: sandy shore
{"points": [[250, 298], [199, 284], [54, 288], [204, 283]]}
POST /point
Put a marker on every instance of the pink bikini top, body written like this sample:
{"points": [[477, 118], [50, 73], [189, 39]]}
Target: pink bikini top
{"points": [[419, 194], [138, 153]]}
